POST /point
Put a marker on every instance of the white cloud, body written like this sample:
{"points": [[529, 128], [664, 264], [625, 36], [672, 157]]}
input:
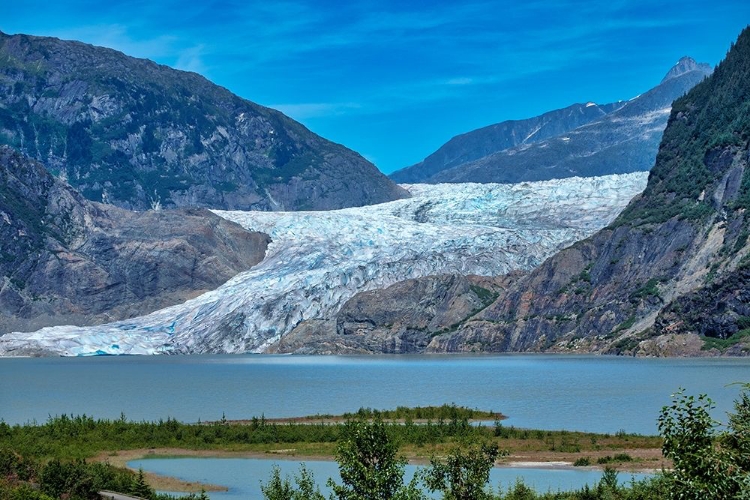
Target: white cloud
{"points": [[301, 111], [116, 36], [460, 81], [190, 60]]}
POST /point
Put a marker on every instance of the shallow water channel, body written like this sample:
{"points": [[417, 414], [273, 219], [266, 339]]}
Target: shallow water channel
{"points": [[243, 476]]}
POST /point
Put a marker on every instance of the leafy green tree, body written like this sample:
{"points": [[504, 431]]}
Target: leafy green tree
{"points": [[737, 439], [281, 489], [464, 473], [701, 468], [369, 465], [736, 442], [22, 492], [519, 491]]}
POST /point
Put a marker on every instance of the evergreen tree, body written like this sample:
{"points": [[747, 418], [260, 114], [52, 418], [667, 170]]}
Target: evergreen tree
{"points": [[140, 488]]}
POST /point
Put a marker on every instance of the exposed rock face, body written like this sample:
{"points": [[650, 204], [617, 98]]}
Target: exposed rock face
{"points": [[319, 260], [396, 325], [686, 65], [67, 260], [485, 141], [719, 310], [623, 138], [133, 133], [675, 261]]}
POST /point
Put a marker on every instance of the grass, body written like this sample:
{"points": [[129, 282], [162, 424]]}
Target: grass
{"points": [[421, 432], [724, 344]]}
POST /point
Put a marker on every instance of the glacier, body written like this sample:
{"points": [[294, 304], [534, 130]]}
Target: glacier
{"points": [[318, 260]]}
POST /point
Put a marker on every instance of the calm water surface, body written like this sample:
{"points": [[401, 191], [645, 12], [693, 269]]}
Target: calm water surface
{"points": [[589, 393], [243, 476]]}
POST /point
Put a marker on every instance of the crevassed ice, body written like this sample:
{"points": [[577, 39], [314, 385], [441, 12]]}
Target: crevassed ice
{"points": [[318, 260]]}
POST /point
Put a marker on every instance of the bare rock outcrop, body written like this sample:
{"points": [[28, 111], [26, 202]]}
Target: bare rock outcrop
{"points": [[65, 260], [137, 134], [668, 277]]}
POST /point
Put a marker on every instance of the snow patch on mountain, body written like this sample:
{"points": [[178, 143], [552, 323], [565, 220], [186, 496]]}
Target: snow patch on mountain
{"points": [[318, 260]]}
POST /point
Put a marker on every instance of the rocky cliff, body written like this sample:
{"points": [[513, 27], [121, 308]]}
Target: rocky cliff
{"points": [[66, 260], [667, 277], [613, 139], [137, 134], [319, 260]]}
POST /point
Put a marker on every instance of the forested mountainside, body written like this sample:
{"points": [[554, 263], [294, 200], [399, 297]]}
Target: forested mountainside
{"points": [[136, 134], [669, 276], [622, 140], [64, 259]]}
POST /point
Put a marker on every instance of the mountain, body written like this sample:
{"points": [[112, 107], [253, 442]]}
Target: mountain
{"points": [[137, 134], [483, 142], [66, 260], [624, 139], [670, 276], [319, 260], [686, 65]]}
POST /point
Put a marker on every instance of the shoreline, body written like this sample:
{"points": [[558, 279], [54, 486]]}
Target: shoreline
{"points": [[121, 458]]}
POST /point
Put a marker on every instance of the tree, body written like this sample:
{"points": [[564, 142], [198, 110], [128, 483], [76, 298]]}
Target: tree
{"points": [[282, 489], [369, 465], [139, 487], [702, 469], [464, 473], [736, 441]]}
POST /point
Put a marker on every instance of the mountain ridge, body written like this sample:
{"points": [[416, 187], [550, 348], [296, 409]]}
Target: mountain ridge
{"points": [[135, 133], [667, 277], [484, 141], [685, 65], [623, 139], [66, 259]]}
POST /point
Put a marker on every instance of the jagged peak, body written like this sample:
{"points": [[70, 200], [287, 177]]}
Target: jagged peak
{"points": [[685, 65]]}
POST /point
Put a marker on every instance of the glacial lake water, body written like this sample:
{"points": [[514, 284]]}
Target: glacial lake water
{"points": [[244, 476], [588, 393]]}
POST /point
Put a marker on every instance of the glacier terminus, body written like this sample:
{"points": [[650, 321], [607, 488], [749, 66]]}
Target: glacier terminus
{"points": [[319, 260]]}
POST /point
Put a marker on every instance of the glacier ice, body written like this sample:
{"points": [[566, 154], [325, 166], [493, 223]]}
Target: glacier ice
{"points": [[318, 260]]}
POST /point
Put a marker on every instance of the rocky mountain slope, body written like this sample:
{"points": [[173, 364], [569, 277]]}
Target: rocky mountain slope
{"points": [[319, 260], [65, 260], [623, 140], [669, 276], [134, 133], [485, 141]]}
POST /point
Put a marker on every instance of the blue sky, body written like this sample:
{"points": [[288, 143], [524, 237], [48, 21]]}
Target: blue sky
{"points": [[394, 80]]}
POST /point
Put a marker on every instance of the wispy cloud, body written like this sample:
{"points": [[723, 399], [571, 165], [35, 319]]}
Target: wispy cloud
{"points": [[117, 36], [190, 60], [303, 111], [414, 69]]}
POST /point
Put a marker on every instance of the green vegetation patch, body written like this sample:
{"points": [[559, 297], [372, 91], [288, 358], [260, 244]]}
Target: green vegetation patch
{"points": [[486, 296], [712, 118], [444, 412], [649, 289], [724, 344]]}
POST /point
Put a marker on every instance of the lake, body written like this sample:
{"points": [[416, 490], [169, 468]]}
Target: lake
{"points": [[243, 476], [587, 393]]}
